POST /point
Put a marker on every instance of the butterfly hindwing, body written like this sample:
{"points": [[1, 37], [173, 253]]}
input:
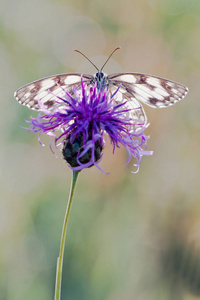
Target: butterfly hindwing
{"points": [[47, 88], [136, 110], [154, 91]]}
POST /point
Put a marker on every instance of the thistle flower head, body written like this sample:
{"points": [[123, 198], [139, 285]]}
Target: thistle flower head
{"points": [[84, 119]]}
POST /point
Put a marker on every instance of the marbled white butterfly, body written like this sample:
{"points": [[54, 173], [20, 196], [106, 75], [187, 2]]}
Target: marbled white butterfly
{"points": [[133, 88]]}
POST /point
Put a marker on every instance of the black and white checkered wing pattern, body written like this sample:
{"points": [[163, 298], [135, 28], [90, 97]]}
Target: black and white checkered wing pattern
{"points": [[154, 91], [137, 112], [47, 88]]}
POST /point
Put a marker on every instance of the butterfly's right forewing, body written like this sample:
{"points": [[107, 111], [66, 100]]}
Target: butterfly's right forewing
{"points": [[47, 88]]}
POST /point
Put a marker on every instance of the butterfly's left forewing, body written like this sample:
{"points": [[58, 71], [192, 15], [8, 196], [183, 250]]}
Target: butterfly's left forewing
{"points": [[154, 91], [47, 88]]}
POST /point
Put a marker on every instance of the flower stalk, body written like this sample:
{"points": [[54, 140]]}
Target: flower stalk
{"points": [[63, 237]]}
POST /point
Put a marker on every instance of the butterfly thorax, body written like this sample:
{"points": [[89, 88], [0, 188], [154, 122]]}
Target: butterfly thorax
{"points": [[101, 80]]}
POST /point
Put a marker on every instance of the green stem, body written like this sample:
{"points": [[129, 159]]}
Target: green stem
{"points": [[63, 236]]}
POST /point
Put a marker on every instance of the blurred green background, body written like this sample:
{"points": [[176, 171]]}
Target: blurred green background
{"points": [[130, 236]]}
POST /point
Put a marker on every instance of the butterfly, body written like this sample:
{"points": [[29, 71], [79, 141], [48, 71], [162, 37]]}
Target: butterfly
{"points": [[134, 88]]}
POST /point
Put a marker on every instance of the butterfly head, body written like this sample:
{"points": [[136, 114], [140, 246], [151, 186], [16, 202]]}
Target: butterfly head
{"points": [[100, 80], [99, 75]]}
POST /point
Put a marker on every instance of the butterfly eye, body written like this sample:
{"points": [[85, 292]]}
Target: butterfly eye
{"points": [[99, 75]]}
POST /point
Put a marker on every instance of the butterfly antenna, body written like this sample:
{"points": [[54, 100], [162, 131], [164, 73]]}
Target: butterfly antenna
{"points": [[87, 59], [109, 57]]}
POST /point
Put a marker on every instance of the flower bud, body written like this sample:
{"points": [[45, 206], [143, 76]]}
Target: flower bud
{"points": [[74, 151]]}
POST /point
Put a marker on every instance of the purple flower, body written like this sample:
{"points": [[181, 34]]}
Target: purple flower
{"points": [[85, 120]]}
